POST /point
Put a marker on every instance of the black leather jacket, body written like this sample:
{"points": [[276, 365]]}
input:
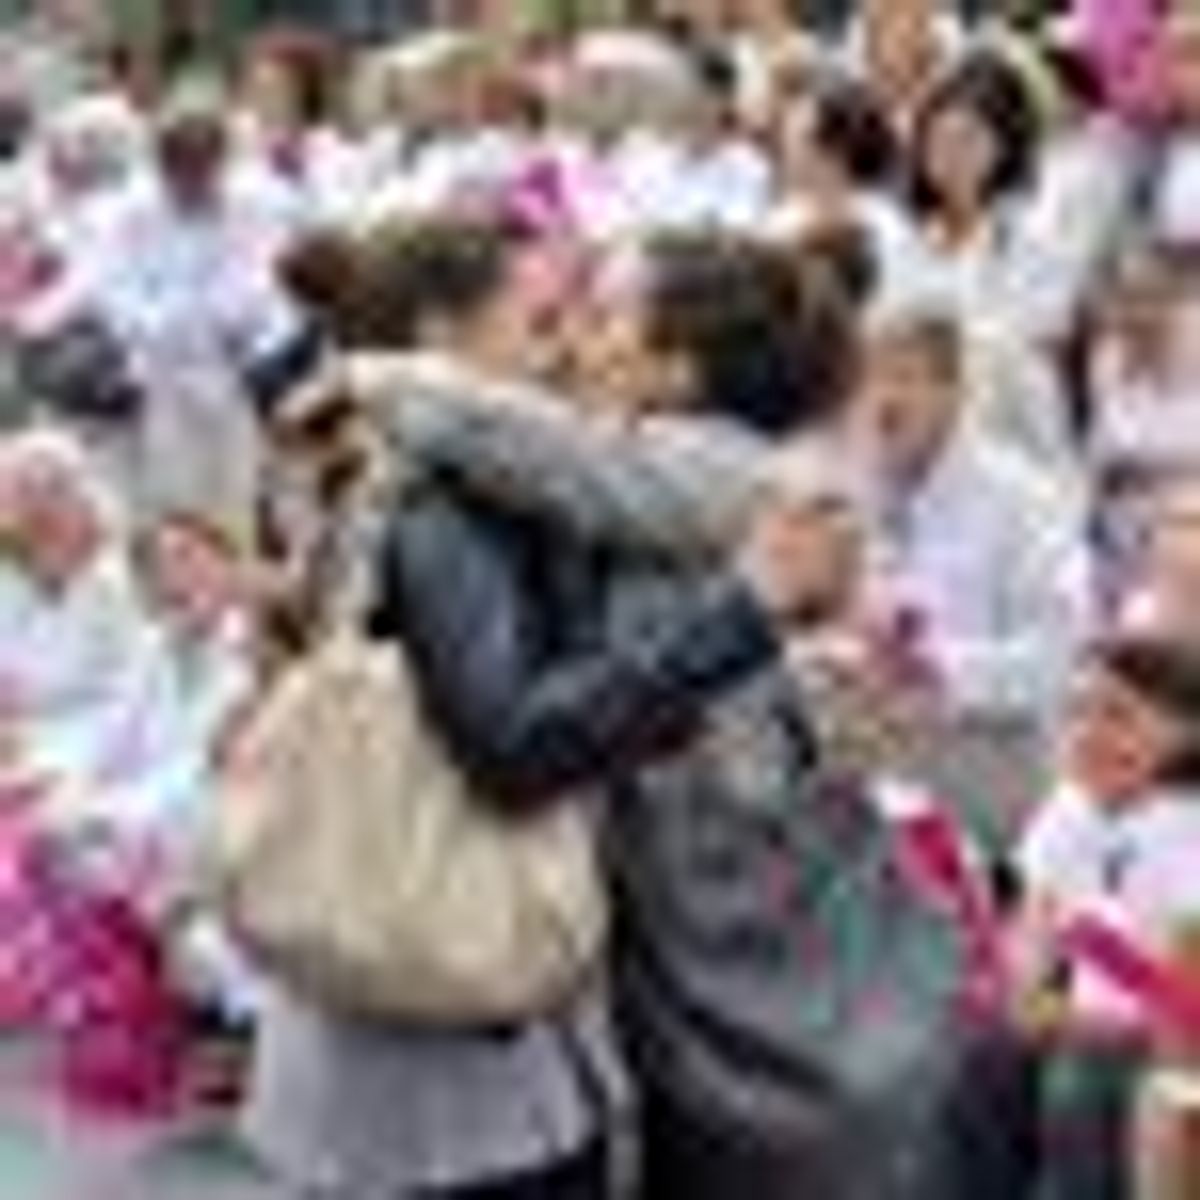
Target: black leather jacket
{"points": [[501, 620]]}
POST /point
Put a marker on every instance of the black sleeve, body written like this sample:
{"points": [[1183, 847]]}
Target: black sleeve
{"points": [[528, 725]]}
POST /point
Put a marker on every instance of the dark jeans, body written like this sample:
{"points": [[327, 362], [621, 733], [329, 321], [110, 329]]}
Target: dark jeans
{"points": [[581, 1178], [683, 1159], [1024, 1123], [992, 1122]]}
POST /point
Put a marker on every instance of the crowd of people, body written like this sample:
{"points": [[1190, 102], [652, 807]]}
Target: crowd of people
{"points": [[784, 450]]}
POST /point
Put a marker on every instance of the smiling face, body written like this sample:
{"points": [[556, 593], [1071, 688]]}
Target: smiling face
{"points": [[1117, 742], [191, 572], [961, 154]]}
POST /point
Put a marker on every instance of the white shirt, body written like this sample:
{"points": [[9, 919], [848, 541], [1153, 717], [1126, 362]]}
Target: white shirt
{"points": [[991, 554], [1177, 206], [992, 281], [1138, 869], [429, 176], [666, 185], [326, 178], [189, 690], [1070, 222], [892, 236], [648, 182], [1143, 420], [193, 291], [77, 660], [725, 187]]}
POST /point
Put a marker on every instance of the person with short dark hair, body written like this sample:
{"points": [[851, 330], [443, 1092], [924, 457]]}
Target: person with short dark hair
{"points": [[841, 161]]}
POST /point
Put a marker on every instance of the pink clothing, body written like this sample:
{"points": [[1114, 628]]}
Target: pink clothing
{"points": [[83, 963]]}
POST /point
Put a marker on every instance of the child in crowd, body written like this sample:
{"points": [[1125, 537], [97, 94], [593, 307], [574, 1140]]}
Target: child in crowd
{"points": [[1045, 1107], [200, 597], [1119, 838], [1117, 844]]}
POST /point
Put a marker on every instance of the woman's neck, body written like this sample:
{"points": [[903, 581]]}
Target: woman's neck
{"points": [[955, 227]]}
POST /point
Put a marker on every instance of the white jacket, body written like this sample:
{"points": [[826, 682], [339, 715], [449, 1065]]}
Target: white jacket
{"points": [[993, 554]]}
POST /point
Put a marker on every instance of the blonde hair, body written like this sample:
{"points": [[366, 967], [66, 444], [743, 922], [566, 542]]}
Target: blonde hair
{"points": [[53, 454]]}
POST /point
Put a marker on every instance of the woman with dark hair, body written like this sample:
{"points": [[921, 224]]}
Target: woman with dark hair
{"points": [[842, 161], [723, 330], [542, 706], [974, 149], [975, 143]]}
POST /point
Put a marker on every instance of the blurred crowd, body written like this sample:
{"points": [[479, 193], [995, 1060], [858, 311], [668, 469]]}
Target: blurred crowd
{"points": [[722, 416]]}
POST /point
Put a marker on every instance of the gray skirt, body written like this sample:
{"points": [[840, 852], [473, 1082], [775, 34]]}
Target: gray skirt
{"points": [[341, 1107]]}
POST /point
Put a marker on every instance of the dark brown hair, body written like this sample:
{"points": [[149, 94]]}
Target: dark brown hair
{"points": [[312, 62], [995, 92], [770, 341], [1165, 673], [375, 290]]}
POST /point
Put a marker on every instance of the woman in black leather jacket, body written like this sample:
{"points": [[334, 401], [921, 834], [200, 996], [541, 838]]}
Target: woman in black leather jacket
{"points": [[500, 616]]}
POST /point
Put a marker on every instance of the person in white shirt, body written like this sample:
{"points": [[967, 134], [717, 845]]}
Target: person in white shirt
{"points": [[287, 127], [622, 96], [711, 175], [982, 562], [73, 633], [1119, 842], [975, 144], [196, 582], [1080, 201], [438, 146], [840, 159], [183, 273]]}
